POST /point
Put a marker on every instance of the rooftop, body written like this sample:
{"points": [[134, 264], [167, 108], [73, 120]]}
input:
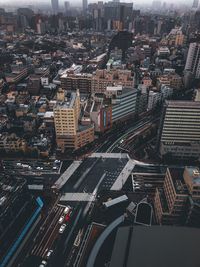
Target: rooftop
{"points": [[194, 174], [183, 104], [178, 180], [155, 243], [67, 104]]}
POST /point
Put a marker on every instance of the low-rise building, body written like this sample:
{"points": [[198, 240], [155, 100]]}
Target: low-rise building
{"points": [[101, 116], [72, 82], [177, 202], [16, 75], [11, 143], [103, 78]]}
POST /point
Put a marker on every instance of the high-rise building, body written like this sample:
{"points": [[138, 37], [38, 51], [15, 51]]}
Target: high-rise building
{"points": [[66, 115], [118, 13], [67, 6], [24, 17], [195, 4], [69, 134], [123, 101], [85, 5], [156, 5], [55, 6], [179, 133], [193, 60]]}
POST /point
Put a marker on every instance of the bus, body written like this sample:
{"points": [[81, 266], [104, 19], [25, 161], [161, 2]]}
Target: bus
{"points": [[115, 201]]}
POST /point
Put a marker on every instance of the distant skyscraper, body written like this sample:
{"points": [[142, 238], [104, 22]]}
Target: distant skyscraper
{"points": [[55, 6], [156, 5], [193, 60], [195, 4], [85, 5], [67, 6]]}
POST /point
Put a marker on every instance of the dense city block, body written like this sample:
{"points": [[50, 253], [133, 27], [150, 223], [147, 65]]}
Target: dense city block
{"points": [[99, 133]]}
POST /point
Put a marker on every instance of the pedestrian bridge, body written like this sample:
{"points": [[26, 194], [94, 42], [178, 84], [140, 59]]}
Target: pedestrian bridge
{"points": [[82, 197], [66, 175]]}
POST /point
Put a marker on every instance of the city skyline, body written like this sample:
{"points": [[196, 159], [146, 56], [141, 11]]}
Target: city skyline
{"points": [[99, 133], [92, 1]]}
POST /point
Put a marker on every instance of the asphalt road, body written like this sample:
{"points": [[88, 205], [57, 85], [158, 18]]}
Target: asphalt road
{"points": [[88, 181], [95, 175]]}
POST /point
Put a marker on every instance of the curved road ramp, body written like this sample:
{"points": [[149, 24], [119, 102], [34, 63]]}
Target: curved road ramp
{"points": [[101, 240]]}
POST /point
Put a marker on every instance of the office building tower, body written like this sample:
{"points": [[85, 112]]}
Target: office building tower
{"points": [[195, 4], [67, 6], [193, 60], [85, 5], [124, 102], [25, 16], [179, 133], [55, 6], [119, 14], [156, 5], [69, 134]]}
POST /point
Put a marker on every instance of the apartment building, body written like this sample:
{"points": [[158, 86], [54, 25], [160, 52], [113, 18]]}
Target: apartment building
{"points": [[178, 202], [179, 133], [72, 82], [176, 37], [103, 78], [11, 143], [69, 133], [34, 80], [172, 80]]}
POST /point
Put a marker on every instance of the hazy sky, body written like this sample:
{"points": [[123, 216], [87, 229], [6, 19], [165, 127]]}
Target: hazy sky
{"points": [[61, 1], [36, 3]]}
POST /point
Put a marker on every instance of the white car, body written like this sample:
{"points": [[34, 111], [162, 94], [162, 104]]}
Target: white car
{"points": [[62, 228], [49, 253], [67, 210], [61, 219], [43, 264]]}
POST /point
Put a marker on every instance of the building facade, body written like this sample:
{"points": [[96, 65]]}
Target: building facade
{"points": [[69, 133], [104, 78], [55, 6], [124, 102], [193, 60], [72, 82], [178, 202], [179, 133]]}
